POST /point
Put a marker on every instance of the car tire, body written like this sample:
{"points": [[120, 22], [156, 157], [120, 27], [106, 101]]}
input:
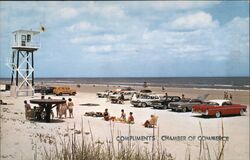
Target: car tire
{"points": [[218, 114], [144, 105], [242, 112], [184, 109]]}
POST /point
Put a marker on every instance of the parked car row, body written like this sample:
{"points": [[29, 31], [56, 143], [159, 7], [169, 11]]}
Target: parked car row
{"points": [[199, 105]]}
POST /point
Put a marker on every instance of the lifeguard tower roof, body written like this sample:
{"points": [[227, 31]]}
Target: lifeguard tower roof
{"points": [[26, 40], [22, 30]]}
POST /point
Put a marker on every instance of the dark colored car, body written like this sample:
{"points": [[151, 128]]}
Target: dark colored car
{"points": [[44, 90], [47, 90], [163, 103], [187, 106]]}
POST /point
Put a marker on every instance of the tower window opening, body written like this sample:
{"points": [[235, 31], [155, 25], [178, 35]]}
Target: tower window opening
{"points": [[23, 40], [28, 38]]}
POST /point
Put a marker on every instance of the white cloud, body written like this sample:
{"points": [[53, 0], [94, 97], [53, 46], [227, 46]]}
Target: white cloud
{"points": [[68, 12], [106, 38], [106, 10], [182, 5], [83, 26], [199, 20], [99, 48]]}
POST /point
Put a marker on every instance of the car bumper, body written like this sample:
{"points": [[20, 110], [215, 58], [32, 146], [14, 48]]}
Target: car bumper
{"points": [[199, 111], [159, 106]]}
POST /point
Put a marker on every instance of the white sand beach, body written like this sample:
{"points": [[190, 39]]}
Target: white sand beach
{"points": [[21, 138]]}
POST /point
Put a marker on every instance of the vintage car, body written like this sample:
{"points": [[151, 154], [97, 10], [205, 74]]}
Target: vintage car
{"points": [[44, 90], [144, 100], [186, 105], [163, 103], [47, 90], [64, 90], [127, 95], [145, 91], [219, 108], [104, 94]]}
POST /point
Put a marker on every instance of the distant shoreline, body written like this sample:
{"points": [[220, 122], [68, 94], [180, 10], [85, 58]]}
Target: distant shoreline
{"points": [[225, 83]]}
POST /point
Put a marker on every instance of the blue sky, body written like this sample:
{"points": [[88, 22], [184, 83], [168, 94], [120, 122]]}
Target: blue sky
{"points": [[132, 39]]}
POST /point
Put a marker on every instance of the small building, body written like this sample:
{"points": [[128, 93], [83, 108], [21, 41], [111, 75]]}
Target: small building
{"points": [[26, 39]]}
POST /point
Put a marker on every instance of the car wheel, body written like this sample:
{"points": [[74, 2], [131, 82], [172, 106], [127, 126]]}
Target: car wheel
{"points": [[217, 114], [184, 109], [144, 105], [242, 112]]}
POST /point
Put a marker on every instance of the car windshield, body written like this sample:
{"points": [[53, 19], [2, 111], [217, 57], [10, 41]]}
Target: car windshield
{"points": [[212, 104], [194, 101], [145, 97], [184, 100]]}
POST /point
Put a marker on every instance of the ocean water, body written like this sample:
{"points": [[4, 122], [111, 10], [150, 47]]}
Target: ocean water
{"points": [[193, 82]]}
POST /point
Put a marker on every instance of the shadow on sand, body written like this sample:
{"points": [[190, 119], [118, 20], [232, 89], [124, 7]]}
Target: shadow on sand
{"points": [[213, 117], [51, 121]]}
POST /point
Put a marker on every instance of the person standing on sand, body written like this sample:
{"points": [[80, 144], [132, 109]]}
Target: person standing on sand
{"points": [[162, 88], [166, 95], [51, 111], [63, 109], [182, 96], [28, 110], [57, 110], [230, 96], [70, 107]]}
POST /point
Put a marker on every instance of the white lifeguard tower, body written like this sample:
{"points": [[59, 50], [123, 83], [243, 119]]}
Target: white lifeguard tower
{"points": [[24, 44]]}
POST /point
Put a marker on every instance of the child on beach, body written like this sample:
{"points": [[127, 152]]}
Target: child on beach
{"points": [[131, 119], [70, 107]]}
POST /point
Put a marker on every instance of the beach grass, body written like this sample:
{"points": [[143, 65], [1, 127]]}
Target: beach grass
{"points": [[71, 148]]}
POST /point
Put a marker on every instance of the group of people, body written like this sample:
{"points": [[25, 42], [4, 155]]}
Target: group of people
{"points": [[61, 109], [39, 114], [150, 123], [122, 118]]}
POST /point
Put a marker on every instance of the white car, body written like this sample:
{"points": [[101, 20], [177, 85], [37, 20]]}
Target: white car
{"points": [[104, 94], [128, 94], [145, 100]]}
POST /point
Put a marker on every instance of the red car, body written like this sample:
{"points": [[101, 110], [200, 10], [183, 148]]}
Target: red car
{"points": [[219, 108]]}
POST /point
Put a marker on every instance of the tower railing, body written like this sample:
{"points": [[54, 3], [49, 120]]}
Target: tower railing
{"points": [[32, 44]]}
